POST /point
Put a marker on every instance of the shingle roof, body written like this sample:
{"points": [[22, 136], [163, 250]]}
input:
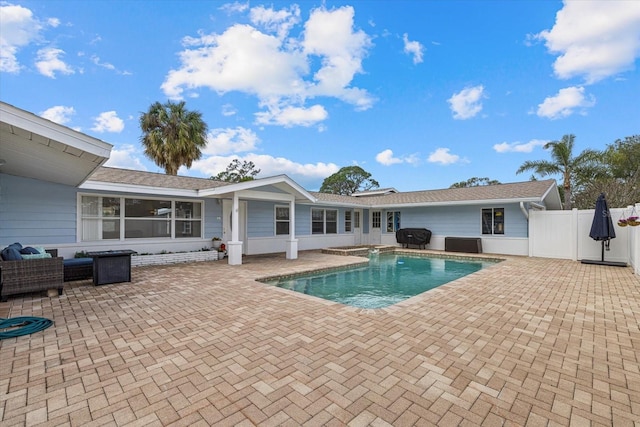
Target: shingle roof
{"points": [[151, 179], [530, 190]]}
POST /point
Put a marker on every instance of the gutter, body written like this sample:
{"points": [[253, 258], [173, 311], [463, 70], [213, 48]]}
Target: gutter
{"points": [[536, 206]]}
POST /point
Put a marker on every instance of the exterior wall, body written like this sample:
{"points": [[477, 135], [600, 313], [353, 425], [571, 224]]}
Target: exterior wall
{"points": [[261, 230], [464, 221], [39, 213], [36, 213]]}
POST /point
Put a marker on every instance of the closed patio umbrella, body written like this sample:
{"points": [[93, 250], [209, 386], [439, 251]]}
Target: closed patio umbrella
{"points": [[602, 230]]}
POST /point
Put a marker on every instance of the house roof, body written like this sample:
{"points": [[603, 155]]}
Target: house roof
{"points": [[111, 175], [376, 192], [133, 181], [115, 179], [530, 191], [38, 148]]}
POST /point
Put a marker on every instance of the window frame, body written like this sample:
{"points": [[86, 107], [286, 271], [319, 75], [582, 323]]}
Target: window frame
{"points": [[277, 221], [497, 225], [172, 218], [376, 219], [393, 221], [325, 222], [348, 221]]}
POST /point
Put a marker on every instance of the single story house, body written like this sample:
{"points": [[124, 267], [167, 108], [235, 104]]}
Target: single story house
{"points": [[55, 191]]}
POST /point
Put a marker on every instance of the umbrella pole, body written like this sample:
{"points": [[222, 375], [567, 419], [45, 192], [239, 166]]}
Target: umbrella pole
{"points": [[603, 251]]}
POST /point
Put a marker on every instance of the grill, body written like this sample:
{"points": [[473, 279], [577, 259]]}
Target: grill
{"points": [[413, 236]]}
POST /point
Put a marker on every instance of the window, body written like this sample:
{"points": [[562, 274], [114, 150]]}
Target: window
{"points": [[376, 219], [393, 222], [347, 222], [104, 218], [100, 218], [493, 221], [324, 221], [356, 219], [282, 220]]}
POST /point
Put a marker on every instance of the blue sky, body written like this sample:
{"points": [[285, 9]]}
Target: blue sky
{"points": [[421, 94]]}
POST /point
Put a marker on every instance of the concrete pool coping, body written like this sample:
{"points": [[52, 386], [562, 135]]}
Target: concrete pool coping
{"points": [[529, 341]]}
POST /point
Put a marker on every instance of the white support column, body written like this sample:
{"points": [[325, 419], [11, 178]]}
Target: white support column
{"points": [[234, 249], [292, 243]]}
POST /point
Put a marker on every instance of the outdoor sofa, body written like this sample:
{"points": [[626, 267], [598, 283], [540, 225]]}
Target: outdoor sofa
{"points": [[19, 276]]}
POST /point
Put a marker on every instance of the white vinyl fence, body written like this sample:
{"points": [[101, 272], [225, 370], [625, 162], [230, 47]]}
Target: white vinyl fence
{"points": [[565, 234]]}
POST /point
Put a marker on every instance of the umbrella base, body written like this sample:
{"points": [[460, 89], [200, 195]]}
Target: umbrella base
{"points": [[610, 263]]}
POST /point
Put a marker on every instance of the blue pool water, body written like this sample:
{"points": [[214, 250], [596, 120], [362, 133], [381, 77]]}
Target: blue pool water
{"points": [[388, 279]]}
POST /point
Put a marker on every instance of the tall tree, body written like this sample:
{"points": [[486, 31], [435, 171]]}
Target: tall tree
{"points": [[621, 178], [238, 172], [172, 136], [348, 180], [575, 171], [475, 182]]}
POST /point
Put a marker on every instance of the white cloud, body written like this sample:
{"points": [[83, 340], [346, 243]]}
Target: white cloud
{"points": [[387, 158], [58, 114], [225, 141], [442, 156], [108, 122], [565, 102], [19, 29], [413, 48], [292, 116], [594, 39], [235, 7], [305, 174], [228, 110], [518, 147], [276, 21], [48, 62], [126, 157], [467, 103], [276, 67]]}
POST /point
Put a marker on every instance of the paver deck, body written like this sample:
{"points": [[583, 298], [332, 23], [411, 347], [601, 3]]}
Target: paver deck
{"points": [[528, 341]]}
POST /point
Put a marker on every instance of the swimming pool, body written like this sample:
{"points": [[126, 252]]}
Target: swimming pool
{"points": [[386, 280]]}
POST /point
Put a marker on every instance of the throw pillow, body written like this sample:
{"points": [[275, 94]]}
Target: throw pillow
{"points": [[28, 250], [11, 254]]}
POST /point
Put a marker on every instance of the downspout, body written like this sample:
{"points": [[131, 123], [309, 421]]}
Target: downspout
{"points": [[524, 211]]}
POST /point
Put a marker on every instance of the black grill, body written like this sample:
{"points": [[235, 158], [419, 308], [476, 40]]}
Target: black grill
{"points": [[413, 236]]}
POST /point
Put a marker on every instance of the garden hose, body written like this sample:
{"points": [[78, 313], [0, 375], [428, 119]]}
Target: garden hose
{"points": [[24, 325]]}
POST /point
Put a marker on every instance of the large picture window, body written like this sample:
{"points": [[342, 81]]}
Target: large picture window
{"points": [[282, 220], [493, 221], [104, 218], [324, 221]]}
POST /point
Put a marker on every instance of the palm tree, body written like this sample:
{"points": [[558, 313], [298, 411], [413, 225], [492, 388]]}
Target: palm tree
{"points": [[172, 136], [574, 170]]}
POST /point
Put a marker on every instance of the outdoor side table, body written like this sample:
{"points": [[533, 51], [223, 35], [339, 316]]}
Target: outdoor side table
{"points": [[111, 266]]}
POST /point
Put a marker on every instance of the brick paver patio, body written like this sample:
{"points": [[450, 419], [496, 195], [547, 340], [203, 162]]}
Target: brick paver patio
{"points": [[535, 342]]}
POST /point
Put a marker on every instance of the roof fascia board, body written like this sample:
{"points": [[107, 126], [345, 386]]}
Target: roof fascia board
{"points": [[48, 129], [137, 189], [455, 203], [556, 195], [341, 204], [250, 185], [262, 195]]}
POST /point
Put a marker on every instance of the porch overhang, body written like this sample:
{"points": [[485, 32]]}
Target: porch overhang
{"points": [[34, 147]]}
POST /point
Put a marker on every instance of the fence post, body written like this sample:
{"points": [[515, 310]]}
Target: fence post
{"points": [[574, 234]]}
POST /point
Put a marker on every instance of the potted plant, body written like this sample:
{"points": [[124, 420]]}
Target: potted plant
{"points": [[622, 222], [216, 242], [222, 251]]}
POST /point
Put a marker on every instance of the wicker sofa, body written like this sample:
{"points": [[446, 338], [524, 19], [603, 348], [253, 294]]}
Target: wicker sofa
{"points": [[31, 275]]}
